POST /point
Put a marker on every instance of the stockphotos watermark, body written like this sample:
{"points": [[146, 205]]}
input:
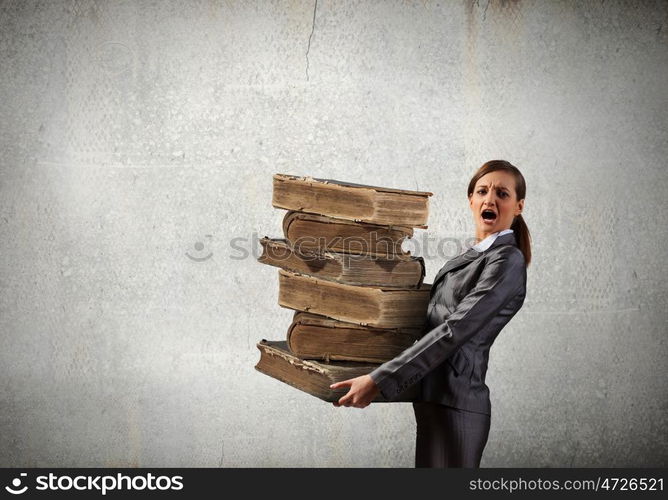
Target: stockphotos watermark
{"points": [[101, 484], [372, 246]]}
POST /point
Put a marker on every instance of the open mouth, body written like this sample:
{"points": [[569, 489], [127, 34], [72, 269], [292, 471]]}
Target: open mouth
{"points": [[489, 216]]}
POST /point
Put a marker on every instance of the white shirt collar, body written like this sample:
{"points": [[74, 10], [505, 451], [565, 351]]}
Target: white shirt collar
{"points": [[487, 242]]}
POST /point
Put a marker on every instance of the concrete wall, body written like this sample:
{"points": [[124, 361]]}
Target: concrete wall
{"points": [[138, 136]]}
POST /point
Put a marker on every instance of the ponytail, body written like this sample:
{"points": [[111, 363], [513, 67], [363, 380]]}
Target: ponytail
{"points": [[521, 232]]}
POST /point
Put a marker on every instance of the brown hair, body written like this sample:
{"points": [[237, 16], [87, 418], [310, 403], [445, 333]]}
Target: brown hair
{"points": [[518, 226]]}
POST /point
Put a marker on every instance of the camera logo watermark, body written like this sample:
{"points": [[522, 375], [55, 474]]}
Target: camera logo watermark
{"points": [[201, 252], [15, 488], [115, 57]]}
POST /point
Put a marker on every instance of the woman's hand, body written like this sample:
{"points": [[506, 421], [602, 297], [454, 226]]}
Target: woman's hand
{"points": [[362, 390]]}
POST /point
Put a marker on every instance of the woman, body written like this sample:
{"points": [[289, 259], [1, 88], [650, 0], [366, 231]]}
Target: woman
{"points": [[473, 297]]}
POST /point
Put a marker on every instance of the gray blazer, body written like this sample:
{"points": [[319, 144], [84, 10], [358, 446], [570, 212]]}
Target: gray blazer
{"points": [[473, 297]]}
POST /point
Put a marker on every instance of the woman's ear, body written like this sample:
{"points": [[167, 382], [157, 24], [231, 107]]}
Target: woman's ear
{"points": [[520, 207]]}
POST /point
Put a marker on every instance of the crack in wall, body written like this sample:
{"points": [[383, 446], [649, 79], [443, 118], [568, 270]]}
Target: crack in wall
{"points": [[484, 14], [315, 8]]}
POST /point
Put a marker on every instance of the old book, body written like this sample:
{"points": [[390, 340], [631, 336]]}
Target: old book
{"points": [[364, 305], [357, 202], [312, 336], [315, 377], [341, 235], [363, 270]]}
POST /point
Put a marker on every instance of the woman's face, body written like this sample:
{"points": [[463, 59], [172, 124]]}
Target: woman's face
{"points": [[494, 197]]}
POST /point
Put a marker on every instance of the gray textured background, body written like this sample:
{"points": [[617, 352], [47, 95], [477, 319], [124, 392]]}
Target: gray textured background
{"points": [[136, 135]]}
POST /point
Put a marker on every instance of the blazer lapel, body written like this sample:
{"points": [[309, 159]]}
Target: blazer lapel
{"points": [[458, 261], [470, 255]]}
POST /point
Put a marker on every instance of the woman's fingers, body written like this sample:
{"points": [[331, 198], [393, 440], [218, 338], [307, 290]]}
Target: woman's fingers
{"points": [[355, 396], [346, 399], [343, 383]]}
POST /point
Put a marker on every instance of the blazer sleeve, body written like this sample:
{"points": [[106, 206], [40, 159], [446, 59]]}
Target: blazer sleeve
{"points": [[500, 280]]}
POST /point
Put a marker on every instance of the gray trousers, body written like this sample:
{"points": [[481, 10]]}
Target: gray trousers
{"points": [[449, 437]]}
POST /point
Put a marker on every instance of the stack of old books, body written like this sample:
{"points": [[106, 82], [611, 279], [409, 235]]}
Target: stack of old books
{"points": [[359, 298]]}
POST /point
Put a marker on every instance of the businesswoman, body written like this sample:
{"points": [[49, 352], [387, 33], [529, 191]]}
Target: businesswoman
{"points": [[473, 297]]}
